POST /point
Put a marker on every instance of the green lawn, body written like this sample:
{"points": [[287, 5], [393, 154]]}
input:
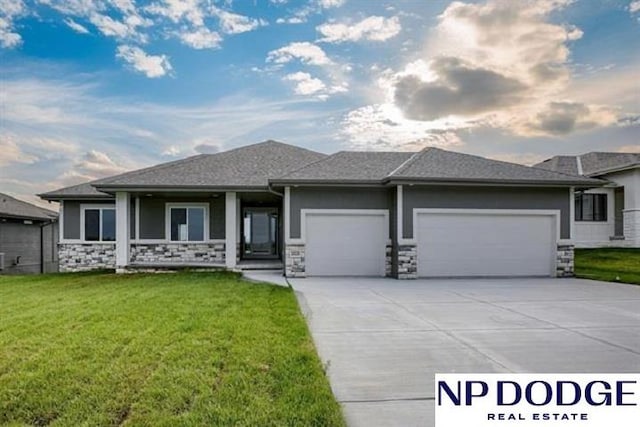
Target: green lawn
{"points": [[153, 350], [609, 264]]}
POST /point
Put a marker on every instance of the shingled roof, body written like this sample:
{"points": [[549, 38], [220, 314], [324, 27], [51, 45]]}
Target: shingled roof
{"points": [[348, 166], [248, 166], [81, 191], [434, 164], [591, 164], [10, 207]]}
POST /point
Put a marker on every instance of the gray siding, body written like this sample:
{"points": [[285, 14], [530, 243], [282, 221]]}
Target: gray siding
{"points": [[153, 211], [451, 197], [71, 214], [335, 198]]}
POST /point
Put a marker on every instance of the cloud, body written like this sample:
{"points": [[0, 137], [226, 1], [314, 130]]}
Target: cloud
{"points": [[233, 23], [305, 52], [190, 11], [305, 84], [562, 118], [634, 6], [207, 148], [10, 151], [528, 159], [629, 149], [80, 29], [150, 65], [326, 4], [201, 38], [9, 11], [373, 28], [459, 89]]}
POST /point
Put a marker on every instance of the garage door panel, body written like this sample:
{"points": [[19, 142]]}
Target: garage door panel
{"points": [[461, 244], [345, 245]]}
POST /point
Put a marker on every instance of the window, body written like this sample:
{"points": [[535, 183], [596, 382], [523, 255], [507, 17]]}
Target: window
{"points": [[591, 207], [187, 223], [99, 224]]}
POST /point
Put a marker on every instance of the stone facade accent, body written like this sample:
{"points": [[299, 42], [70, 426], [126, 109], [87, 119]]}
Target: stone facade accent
{"points": [[294, 261], [388, 261], [631, 225], [407, 262], [564, 261], [75, 257], [158, 253]]}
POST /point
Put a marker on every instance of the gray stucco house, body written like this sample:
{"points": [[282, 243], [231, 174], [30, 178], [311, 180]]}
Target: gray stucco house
{"points": [[608, 215], [425, 214], [28, 237]]}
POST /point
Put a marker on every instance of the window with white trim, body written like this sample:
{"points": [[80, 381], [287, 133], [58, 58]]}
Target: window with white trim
{"points": [[591, 207], [99, 224], [187, 223]]}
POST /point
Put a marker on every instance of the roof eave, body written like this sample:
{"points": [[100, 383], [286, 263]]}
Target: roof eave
{"points": [[614, 170], [181, 188], [332, 182], [472, 181]]}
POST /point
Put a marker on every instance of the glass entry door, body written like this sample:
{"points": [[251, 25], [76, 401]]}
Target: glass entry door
{"points": [[260, 234]]}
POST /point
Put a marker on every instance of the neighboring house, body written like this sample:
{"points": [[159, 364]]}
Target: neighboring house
{"points": [[407, 215], [609, 215], [28, 237]]}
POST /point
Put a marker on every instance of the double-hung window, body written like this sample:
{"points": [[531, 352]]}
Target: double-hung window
{"points": [[187, 223], [99, 224], [591, 207]]}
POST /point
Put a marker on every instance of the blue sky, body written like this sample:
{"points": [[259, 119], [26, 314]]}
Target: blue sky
{"points": [[90, 88]]}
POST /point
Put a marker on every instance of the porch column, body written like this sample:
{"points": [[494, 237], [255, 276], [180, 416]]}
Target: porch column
{"points": [[122, 230], [230, 221]]}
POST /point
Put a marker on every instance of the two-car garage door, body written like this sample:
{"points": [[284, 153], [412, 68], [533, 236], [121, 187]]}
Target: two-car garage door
{"points": [[492, 243]]}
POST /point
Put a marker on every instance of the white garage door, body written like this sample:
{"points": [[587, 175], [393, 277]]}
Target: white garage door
{"points": [[493, 244], [343, 244]]}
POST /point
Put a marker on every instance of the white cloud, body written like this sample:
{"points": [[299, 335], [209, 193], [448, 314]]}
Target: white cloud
{"points": [[151, 65], [191, 11], [201, 38], [629, 149], [78, 28], [307, 53], [9, 11], [10, 151], [634, 6], [373, 28], [528, 159], [233, 23], [326, 4], [305, 84]]}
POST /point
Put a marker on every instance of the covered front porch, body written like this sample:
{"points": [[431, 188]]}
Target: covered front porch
{"points": [[174, 230]]}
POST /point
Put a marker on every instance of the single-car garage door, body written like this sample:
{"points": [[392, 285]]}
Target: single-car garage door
{"points": [[495, 243], [346, 244]]}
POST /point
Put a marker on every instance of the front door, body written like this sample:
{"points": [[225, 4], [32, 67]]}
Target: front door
{"points": [[260, 233]]}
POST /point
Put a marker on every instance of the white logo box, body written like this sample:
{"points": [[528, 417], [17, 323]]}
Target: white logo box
{"points": [[526, 400]]}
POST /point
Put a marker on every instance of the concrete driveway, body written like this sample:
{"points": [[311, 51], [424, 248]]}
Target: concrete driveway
{"points": [[383, 340]]}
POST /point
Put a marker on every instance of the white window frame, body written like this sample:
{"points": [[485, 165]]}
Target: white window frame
{"points": [[167, 221], [100, 207]]}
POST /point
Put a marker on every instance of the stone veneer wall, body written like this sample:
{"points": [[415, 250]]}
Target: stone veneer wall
{"points": [[388, 261], [295, 261], [158, 253], [407, 262], [86, 256], [564, 261]]}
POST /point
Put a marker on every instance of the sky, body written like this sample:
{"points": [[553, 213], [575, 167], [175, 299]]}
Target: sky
{"points": [[92, 88]]}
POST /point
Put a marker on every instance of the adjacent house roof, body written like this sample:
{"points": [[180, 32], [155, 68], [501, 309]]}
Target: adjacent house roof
{"points": [[348, 166], [248, 166], [592, 164], [11, 207], [433, 164]]}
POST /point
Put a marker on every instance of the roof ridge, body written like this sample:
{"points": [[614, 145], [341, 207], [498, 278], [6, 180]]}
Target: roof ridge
{"points": [[407, 162], [326, 157]]}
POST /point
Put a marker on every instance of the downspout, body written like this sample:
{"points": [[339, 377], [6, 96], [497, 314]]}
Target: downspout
{"points": [[270, 190], [42, 226]]}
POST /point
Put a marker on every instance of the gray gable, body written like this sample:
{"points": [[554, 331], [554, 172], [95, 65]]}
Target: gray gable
{"points": [[433, 164], [248, 166], [593, 164], [14, 208], [349, 166]]}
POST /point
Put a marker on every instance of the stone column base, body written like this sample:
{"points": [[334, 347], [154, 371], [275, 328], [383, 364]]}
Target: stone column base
{"points": [[407, 262], [294, 261], [565, 261]]}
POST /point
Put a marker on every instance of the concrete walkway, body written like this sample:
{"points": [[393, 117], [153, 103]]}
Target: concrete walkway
{"points": [[384, 339]]}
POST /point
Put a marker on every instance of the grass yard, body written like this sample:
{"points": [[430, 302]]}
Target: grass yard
{"points": [[154, 350], [609, 264]]}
